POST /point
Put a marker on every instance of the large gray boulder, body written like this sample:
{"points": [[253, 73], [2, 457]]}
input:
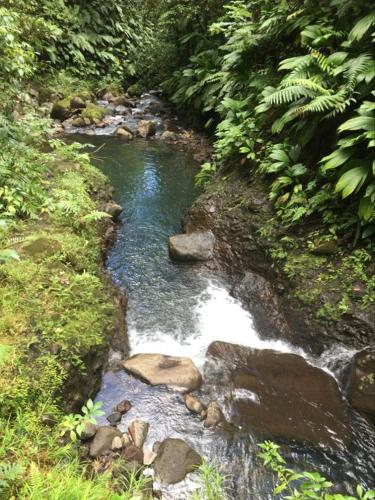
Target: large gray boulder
{"points": [[198, 246], [158, 369], [102, 442], [282, 395], [175, 459], [361, 385]]}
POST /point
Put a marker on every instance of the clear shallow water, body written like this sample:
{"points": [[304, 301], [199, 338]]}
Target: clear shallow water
{"points": [[179, 309]]}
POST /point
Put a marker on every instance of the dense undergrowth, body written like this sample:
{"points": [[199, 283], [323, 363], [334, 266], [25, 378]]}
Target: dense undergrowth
{"points": [[289, 88]]}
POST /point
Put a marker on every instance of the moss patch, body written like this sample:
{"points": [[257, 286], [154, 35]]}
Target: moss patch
{"points": [[56, 312], [93, 112]]}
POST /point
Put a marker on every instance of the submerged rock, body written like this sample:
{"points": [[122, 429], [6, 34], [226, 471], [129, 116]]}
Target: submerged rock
{"points": [[175, 459], [138, 431], [361, 385], [158, 369], [123, 407], [283, 395], [103, 440], [197, 246]]}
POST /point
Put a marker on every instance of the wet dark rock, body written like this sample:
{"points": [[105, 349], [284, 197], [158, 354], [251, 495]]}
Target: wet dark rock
{"points": [[258, 295], [146, 128], [114, 418], [282, 395], [214, 415], [361, 384], [102, 442], [60, 111], [113, 209], [158, 369], [197, 246], [133, 454], [138, 431], [77, 103], [175, 459], [123, 407], [193, 404]]}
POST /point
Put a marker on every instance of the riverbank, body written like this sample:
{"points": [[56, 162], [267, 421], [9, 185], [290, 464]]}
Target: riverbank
{"points": [[59, 316]]}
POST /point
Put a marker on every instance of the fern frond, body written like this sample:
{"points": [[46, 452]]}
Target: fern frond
{"points": [[307, 83], [320, 104], [361, 27], [322, 61], [288, 94]]}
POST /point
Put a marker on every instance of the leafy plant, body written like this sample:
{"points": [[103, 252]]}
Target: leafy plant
{"points": [[74, 424], [9, 473], [302, 485]]}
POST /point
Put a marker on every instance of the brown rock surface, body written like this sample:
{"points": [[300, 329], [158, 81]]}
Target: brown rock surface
{"points": [[283, 395]]}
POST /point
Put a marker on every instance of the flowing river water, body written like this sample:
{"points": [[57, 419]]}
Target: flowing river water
{"points": [[179, 309]]}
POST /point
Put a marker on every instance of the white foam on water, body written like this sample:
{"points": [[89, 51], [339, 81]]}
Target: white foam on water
{"points": [[219, 317]]}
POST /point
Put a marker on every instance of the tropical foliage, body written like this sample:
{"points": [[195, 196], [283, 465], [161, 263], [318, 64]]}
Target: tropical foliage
{"points": [[289, 87]]}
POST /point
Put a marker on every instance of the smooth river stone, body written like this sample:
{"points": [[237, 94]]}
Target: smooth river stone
{"points": [[158, 369], [282, 395], [198, 246], [175, 459]]}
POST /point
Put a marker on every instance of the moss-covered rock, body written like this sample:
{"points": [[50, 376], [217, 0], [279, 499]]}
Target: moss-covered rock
{"points": [[92, 111]]}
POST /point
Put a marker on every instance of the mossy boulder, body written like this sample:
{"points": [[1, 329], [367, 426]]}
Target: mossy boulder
{"points": [[93, 112], [61, 110]]}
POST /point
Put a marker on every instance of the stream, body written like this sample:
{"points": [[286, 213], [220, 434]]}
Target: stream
{"points": [[179, 309]]}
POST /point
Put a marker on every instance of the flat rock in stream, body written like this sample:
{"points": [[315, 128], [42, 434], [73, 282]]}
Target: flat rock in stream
{"points": [[175, 459], [282, 395], [197, 246], [158, 369]]}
